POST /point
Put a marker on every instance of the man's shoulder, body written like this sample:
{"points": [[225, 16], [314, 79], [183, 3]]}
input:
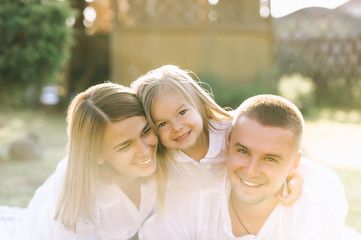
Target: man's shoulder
{"points": [[320, 182], [312, 171]]}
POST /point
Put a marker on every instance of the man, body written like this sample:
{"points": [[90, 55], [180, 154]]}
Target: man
{"points": [[264, 150]]}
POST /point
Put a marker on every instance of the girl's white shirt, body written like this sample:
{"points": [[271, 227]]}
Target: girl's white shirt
{"points": [[189, 174], [189, 178], [116, 215]]}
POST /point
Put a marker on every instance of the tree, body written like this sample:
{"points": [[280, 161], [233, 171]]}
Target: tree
{"points": [[35, 43]]}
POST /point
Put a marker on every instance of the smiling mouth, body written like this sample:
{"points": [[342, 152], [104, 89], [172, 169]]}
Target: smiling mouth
{"points": [[145, 162], [250, 184], [183, 136]]}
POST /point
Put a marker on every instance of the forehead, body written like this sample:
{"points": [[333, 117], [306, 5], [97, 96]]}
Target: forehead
{"points": [[264, 139], [124, 130], [168, 100]]}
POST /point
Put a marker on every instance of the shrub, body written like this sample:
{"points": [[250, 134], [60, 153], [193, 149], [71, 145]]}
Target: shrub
{"points": [[231, 93], [35, 43], [298, 89]]}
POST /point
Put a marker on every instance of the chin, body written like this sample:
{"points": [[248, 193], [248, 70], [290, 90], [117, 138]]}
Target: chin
{"points": [[148, 171]]}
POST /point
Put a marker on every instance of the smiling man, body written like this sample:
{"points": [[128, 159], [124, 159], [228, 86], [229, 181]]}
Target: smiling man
{"points": [[264, 151]]}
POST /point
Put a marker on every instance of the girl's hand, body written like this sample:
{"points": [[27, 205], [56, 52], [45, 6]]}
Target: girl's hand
{"points": [[292, 190]]}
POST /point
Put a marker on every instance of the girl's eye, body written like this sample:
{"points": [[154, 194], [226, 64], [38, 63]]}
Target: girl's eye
{"points": [[181, 113], [162, 124]]}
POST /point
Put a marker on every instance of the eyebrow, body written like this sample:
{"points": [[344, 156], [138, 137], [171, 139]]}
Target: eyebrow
{"points": [[237, 144], [146, 126]]}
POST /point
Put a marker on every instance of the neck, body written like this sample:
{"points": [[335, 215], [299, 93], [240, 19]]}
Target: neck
{"points": [[131, 188], [251, 217]]}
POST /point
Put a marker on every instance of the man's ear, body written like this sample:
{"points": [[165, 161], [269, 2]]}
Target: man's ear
{"points": [[295, 163]]}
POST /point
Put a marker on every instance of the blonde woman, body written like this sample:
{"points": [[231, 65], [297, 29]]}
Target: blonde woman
{"points": [[106, 187]]}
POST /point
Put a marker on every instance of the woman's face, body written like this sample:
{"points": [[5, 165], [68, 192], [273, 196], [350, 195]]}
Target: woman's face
{"points": [[130, 147]]}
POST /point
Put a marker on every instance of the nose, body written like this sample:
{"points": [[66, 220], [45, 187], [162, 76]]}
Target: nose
{"points": [[177, 125], [147, 144], [143, 148], [252, 168]]}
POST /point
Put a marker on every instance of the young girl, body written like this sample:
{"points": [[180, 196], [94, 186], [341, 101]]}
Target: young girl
{"points": [[192, 128], [193, 131], [106, 187]]}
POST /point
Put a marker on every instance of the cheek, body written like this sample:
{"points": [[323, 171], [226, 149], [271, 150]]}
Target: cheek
{"points": [[164, 137], [233, 164]]}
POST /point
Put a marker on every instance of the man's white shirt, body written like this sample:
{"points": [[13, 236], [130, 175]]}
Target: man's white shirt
{"points": [[318, 214]]}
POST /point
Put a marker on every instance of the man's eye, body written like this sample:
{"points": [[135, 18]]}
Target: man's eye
{"points": [[270, 159], [162, 124], [181, 113], [243, 151]]}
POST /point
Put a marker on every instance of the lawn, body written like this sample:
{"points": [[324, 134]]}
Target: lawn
{"points": [[333, 142]]}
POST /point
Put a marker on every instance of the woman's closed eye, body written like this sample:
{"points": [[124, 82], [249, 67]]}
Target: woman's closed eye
{"points": [[123, 147], [146, 131]]}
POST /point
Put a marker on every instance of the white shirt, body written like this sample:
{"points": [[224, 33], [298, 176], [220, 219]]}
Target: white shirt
{"points": [[188, 178], [318, 214], [187, 173], [117, 217]]}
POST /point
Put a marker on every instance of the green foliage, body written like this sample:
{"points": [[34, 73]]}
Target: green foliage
{"points": [[35, 43], [231, 93], [298, 89], [335, 76]]}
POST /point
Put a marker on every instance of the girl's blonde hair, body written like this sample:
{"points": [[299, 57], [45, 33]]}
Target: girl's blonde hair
{"points": [[88, 115], [172, 77]]}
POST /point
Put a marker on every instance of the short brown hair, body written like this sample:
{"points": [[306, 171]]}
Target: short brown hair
{"points": [[272, 110]]}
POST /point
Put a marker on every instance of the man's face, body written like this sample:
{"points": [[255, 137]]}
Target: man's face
{"points": [[259, 160]]}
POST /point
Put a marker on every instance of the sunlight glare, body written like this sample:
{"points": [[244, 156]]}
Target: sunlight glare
{"points": [[280, 8]]}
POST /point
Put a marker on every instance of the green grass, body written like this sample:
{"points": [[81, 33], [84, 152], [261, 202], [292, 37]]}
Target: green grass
{"points": [[19, 179], [333, 140], [332, 143]]}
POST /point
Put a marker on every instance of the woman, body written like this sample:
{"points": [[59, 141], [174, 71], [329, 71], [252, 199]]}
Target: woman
{"points": [[106, 187]]}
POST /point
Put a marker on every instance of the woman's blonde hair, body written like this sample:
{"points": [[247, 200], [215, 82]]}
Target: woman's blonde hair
{"points": [[172, 77], [88, 115]]}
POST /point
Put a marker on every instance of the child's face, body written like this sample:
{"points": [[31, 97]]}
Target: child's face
{"points": [[179, 123], [259, 160]]}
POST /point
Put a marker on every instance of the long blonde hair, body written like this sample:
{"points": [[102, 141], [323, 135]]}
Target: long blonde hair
{"points": [[172, 77], [88, 115]]}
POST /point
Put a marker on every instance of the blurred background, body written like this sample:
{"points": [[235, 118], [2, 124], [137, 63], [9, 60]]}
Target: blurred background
{"points": [[50, 50]]}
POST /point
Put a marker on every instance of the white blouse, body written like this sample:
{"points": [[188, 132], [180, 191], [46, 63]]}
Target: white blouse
{"points": [[117, 217]]}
